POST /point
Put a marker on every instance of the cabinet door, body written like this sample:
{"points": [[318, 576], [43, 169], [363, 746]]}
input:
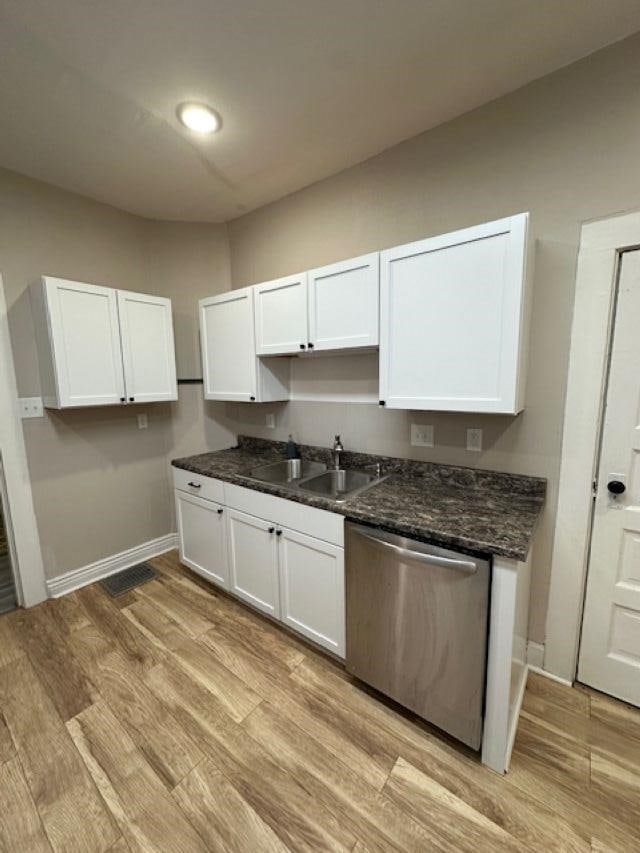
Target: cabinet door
{"points": [[451, 320], [312, 589], [228, 348], [202, 537], [344, 304], [85, 342], [281, 315], [148, 351], [253, 561]]}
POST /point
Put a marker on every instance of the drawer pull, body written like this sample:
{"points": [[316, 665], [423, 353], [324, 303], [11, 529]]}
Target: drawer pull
{"points": [[272, 530], [220, 511], [195, 485]]}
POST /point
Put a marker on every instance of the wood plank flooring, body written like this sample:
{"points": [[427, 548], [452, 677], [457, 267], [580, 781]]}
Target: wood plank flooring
{"points": [[174, 719]]}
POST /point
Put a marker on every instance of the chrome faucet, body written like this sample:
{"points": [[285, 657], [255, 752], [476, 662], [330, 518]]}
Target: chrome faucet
{"points": [[337, 450]]}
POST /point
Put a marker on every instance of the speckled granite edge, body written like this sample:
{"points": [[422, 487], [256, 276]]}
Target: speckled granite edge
{"points": [[491, 514]]}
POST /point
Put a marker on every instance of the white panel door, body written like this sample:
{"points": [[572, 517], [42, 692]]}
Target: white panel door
{"points": [[451, 320], [312, 589], [253, 561], [281, 315], [344, 304], [202, 537], [148, 350], [610, 647], [228, 347], [85, 338]]}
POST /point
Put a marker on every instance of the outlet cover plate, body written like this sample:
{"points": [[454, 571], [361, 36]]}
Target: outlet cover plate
{"points": [[474, 439], [422, 435], [270, 421], [31, 407]]}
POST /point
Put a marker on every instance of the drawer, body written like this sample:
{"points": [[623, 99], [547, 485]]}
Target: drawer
{"points": [[196, 484], [328, 526]]}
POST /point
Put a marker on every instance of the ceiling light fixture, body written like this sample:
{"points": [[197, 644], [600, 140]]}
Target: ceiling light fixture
{"points": [[198, 117]]}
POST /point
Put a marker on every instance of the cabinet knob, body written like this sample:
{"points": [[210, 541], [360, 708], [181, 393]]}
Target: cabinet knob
{"points": [[252, 399], [616, 487], [272, 530], [382, 403], [132, 399], [310, 345], [303, 346], [278, 532], [220, 511], [123, 399]]}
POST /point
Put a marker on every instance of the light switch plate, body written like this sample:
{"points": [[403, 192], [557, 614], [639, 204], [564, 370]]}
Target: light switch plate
{"points": [[143, 420], [422, 435], [474, 439], [270, 421], [31, 407]]}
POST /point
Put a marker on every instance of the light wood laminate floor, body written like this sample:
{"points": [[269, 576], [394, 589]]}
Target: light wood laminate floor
{"points": [[174, 719]]}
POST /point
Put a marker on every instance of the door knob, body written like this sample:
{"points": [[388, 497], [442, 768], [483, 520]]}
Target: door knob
{"points": [[616, 487]]}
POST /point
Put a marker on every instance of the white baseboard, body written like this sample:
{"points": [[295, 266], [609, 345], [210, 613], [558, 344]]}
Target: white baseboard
{"points": [[535, 654], [85, 575], [535, 659], [539, 671]]}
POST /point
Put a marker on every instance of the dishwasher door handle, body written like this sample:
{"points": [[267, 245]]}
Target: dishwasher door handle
{"points": [[467, 566]]}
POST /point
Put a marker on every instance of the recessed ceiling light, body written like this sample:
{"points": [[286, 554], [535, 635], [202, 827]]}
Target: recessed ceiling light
{"points": [[198, 117]]}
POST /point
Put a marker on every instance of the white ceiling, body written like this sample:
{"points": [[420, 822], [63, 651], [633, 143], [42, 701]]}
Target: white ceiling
{"points": [[88, 88]]}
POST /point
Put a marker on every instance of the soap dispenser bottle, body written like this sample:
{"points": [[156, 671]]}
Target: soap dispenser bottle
{"points": [[292, 451]]}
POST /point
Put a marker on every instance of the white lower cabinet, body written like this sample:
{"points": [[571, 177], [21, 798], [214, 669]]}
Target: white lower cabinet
{"points": [[253, 561], [249, 546], [312, 588], [202, 535]]}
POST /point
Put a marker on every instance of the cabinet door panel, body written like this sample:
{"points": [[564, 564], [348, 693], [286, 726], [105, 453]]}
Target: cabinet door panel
{"points": [[452, 318], [228, 348], [253, 561], [281, 315], [202, 537], [344, 304], [148, 350], [312, 589], [85, 340]]}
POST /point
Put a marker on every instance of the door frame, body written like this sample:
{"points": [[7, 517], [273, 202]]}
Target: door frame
{"points": [[22, 529], [602, 244]]}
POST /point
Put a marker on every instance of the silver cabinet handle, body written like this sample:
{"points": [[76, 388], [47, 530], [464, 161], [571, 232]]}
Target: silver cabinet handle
{"points": [[466, 566]]}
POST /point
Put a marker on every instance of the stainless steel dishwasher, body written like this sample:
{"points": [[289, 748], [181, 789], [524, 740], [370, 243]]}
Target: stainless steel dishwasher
{"points": [[417, 627]]}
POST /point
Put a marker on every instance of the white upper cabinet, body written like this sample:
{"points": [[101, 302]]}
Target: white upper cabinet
{"points": [[98, 346], [452, 320], [281, 315], [343, 304], [231, 370], [148, 351]]}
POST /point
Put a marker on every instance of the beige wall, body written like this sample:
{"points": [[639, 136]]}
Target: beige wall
{"points": [[100, 484], [564, 148]]}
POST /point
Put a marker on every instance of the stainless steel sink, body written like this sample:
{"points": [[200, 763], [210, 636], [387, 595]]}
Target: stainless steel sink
{"points": [[340, 484], [287, 471]]}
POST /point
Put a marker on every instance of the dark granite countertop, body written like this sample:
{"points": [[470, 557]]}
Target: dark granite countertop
{"points": [[467, 509]]}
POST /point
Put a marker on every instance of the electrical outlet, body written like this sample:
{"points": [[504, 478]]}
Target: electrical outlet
{"points": [[474, 439], [31, 407], [143, 421], [421, 435], [270, 421]]}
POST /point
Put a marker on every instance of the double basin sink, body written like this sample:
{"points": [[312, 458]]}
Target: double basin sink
{"points": [[313, 477]]}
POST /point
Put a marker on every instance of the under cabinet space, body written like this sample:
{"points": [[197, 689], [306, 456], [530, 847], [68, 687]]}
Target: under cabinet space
{"points": [[344, 304], [99, 346]]}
